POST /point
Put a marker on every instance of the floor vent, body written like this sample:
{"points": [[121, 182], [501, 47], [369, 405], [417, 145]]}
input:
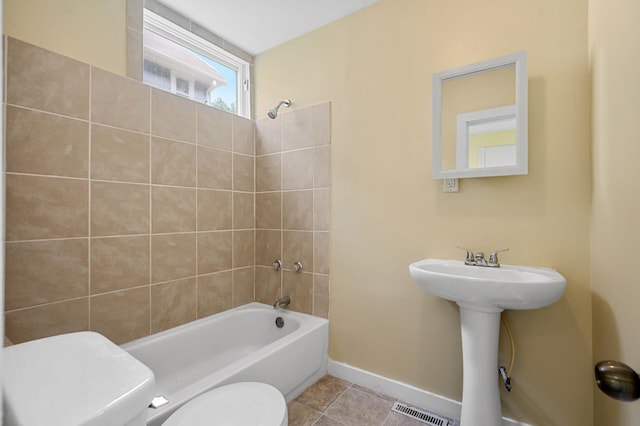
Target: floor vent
{"points": [[425, 417]]}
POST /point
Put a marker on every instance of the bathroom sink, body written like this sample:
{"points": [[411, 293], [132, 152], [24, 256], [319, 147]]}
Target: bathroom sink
{"points": [[506, 287], [482, 294]]}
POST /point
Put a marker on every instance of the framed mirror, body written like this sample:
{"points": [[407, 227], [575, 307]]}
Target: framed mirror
{"points": [[480, 119]]}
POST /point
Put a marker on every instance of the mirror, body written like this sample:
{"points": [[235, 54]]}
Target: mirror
{"points": [[480, 119]]}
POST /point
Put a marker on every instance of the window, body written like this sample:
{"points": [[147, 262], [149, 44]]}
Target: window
{"points": [[180, 62]]}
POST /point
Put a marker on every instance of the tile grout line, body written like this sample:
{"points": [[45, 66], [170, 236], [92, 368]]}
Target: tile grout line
{"points": [[197, 189], [150, 165], [90, 135], [335, 401]]}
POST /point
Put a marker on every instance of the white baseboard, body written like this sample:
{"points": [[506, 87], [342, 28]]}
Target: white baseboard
{"points": [[412, 395]]}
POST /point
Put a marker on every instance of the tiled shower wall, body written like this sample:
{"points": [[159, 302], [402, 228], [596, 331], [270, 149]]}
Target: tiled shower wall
{"points": [[292, 208], [130, 210]]}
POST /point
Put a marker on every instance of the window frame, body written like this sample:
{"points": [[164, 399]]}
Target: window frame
{"points": [[171, 31]]}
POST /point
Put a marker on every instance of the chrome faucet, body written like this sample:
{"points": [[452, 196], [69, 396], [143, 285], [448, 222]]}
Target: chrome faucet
{"points": [[478, 259], [281, 301]]}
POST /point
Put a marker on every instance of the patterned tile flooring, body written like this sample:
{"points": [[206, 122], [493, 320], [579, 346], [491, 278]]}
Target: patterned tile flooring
{"points": [[336, 402]]}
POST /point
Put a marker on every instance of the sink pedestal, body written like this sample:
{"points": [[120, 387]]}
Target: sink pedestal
{"points": [[480, 328]]}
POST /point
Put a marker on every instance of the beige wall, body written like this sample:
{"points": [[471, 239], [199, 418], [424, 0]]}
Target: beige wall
{"points": [[614, 61], [91, 31], [375, 66]]}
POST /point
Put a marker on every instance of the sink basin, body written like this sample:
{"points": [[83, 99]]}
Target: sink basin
{"points": [[506, 287]]}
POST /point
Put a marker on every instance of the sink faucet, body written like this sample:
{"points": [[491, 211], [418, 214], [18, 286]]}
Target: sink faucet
{"points": [[478, 259], [281, 301]]}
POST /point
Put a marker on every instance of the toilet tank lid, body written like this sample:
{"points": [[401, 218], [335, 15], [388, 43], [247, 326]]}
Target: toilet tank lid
{"points": [[74, 379]]}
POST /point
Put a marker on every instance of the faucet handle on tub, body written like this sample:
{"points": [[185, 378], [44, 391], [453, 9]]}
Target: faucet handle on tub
{"points": [[277, 264]]}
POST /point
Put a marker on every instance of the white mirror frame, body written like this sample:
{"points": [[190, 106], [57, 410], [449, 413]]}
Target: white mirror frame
{"points": [[519, 60]]}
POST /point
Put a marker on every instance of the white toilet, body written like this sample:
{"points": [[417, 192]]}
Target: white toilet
{"points": [[74, 379], [238, 404]]}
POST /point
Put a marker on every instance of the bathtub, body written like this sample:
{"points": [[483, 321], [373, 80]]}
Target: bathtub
{"points": [[242, 344]]}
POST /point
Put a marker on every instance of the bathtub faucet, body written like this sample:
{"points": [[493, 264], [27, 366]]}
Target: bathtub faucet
{"points": [[281, 301]]}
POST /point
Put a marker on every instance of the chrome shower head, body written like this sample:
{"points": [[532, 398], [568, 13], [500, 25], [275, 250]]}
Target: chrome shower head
{"points": [[273, 113]]}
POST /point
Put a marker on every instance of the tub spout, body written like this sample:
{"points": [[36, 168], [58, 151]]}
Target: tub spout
{"points": [[281, 301]]}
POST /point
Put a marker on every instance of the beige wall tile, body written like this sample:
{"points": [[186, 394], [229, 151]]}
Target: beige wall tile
{"points": [[214, 293], [173, 256], [134, 14], [119, 101], [47, 320], [322, 166], [119, 155], [119, 263], [297, 246], [134, 54], [243, 135], [299, 287], [40, 79], [43, 207], [124, 161], [321, 259], [214, 168], [243, 291], [214, 127], [173, 209], [243, 173], [172, 116], [297, 169], [46, 144], [297, 129], [173, 304], [39, 272], [322, 124], [243, 210], [321, 295], [322, 212], [119, 209], [243, 248], [297, 210], [214, 251], [268, 136], [267, 284], [122, 316], [268, 173], [269, 210], [214, 210], [173, 163], [268, 247]]}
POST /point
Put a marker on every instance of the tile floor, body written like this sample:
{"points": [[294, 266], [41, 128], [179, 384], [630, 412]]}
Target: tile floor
{"points": [[336, 402]]}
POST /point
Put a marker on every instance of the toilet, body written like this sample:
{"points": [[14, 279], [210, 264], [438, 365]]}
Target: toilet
{"points": [[238, 404], [74, 379]]}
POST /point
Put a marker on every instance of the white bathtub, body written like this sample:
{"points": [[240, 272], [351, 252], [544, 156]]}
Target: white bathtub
{"points": [[242, 344]]}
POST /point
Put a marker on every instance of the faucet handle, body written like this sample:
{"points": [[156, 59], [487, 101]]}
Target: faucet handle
{"points": [[470, 258], [277, 264], [493, 257]]}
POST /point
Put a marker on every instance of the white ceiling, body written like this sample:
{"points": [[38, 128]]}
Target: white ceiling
{"points": [[258, 25]]}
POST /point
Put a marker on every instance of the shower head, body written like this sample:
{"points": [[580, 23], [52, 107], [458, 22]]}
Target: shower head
{"points": [[273, 113]]}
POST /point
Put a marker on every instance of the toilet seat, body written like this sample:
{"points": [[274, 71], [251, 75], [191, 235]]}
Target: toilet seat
{"points": [[238, 404]]}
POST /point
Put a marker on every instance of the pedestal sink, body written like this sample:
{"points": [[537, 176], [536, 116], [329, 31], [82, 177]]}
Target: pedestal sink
{"points": [[482, 294]]}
